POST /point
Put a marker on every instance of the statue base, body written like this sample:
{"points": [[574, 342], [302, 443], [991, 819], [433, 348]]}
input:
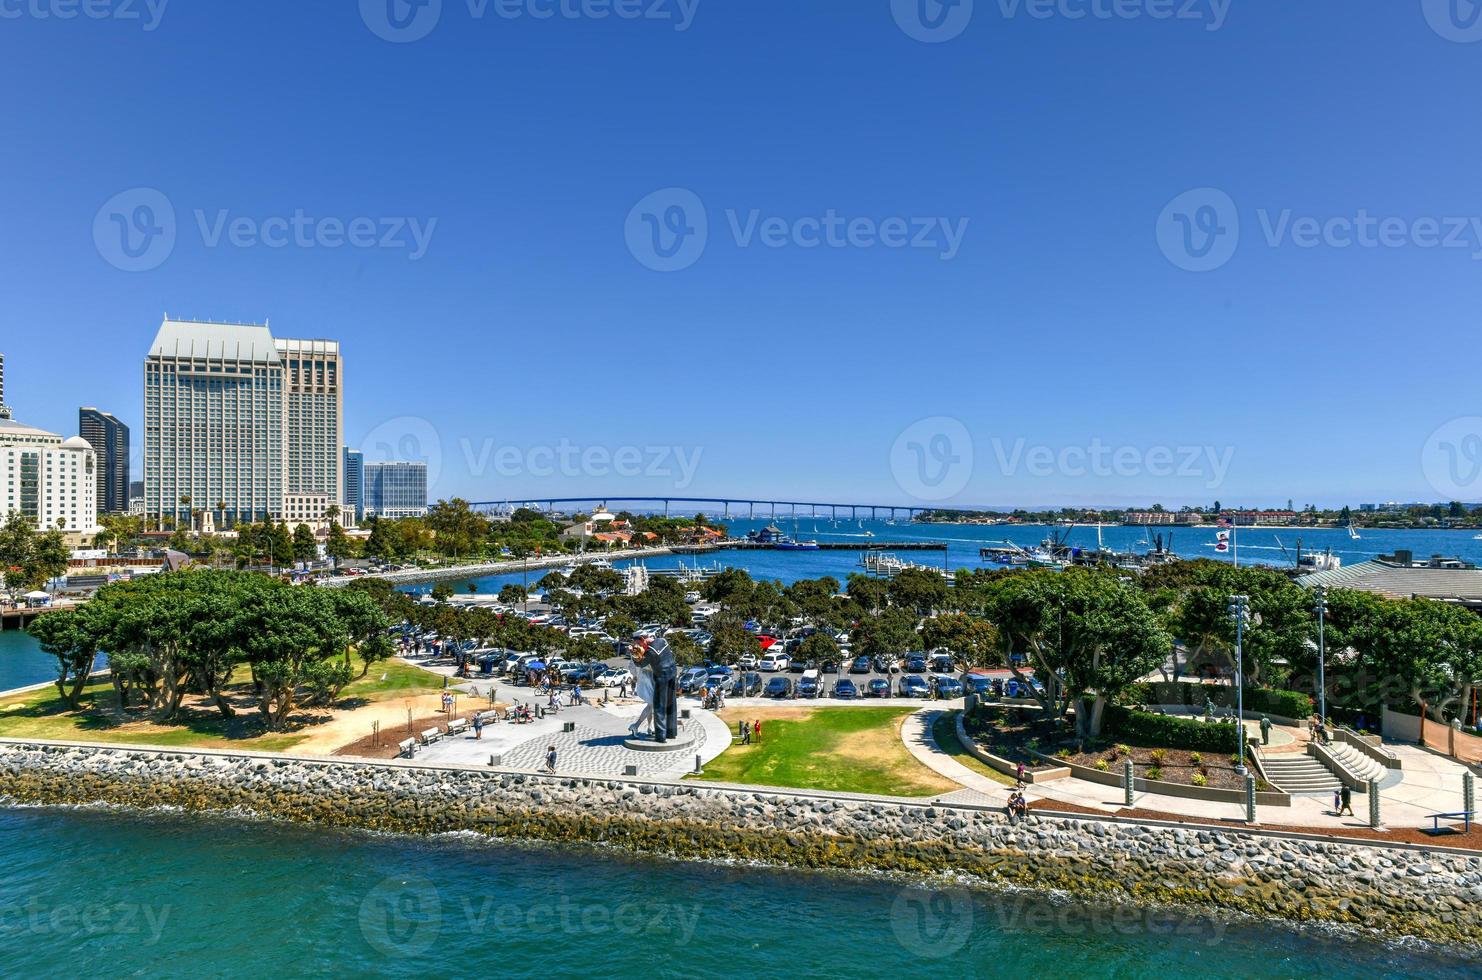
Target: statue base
{"points": [[646, 743]]}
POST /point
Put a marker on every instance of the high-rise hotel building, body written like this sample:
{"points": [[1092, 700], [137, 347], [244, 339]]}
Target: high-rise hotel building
{"points": [[239, 425]]}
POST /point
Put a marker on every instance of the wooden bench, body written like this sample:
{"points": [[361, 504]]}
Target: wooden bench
{"points": [[457, 726], [408, 747], [431, 735]]}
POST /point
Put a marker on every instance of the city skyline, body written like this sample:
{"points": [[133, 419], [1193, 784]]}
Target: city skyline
{"points": [[1053, 311]]}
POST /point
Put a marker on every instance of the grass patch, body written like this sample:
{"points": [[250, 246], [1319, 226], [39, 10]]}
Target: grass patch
{"points": [[850, 750], [945, 733], [42, 713]]}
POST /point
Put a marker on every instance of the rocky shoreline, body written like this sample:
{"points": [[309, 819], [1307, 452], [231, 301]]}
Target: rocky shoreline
{"points": [[1394, 891]]}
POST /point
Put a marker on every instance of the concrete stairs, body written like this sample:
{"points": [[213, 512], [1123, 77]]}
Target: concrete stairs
{"points": [[1299, 775], [1356, 762]]}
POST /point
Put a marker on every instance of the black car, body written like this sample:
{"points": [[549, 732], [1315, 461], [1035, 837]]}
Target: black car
{"points": [[861, 665], [798, 666], [830, 667], [845, 690], [746, 685], [878, 687], [779, 687], [809, 687]]}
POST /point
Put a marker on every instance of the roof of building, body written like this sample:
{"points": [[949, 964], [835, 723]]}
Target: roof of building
{"points": [[238, 341], [76, 442], [12, 428], [1403, 581]]}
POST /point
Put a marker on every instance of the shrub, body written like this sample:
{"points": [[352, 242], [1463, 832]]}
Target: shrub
{"points": [[1195, 758], [1154, 772], [1200, 779], [1064, 754], [1234, 761], [1102, 765], [1157, 755], [1124, 749], [1174, 732]]}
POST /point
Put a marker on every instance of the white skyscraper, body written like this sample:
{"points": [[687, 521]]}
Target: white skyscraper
{"points": [[238, 425]]}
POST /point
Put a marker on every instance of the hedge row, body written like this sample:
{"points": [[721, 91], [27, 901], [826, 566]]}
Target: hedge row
{"points": [[1169, 730], [1289, 704]]}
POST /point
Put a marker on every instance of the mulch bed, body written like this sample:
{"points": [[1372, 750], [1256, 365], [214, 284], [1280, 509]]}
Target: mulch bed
{"points": [[1404, 835], [1177, 766], [366, 748]]}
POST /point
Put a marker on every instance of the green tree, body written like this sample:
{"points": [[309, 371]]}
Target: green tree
{"points": [[305, 548], [71, 636], [918, 589], [971, 641], [338, 544], [888, 633]]}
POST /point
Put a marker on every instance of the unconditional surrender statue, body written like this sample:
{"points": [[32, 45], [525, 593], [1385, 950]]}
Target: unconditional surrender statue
{"points": [[657, 675]]}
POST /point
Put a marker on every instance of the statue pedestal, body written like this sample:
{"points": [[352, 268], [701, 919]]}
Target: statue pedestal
{"points": [[646, 743]]}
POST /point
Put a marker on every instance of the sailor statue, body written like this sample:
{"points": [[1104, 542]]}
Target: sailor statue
{"points": [[657, 675]]}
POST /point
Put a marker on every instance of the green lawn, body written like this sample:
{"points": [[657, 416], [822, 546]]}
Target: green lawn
{"points": [[41, 714], [945, 733], [853, 750]]}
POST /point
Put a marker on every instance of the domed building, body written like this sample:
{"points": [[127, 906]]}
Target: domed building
{"points": [[49, 479]]}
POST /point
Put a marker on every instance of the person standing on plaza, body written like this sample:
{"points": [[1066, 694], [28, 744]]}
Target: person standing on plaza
{"points": [[550, 759]]}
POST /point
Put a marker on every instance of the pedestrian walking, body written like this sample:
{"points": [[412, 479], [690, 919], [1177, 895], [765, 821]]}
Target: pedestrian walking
{"points": [[756, 731], [1338, 802], [1345, 797], [550, 759], [478, 727], [1019, 773]]}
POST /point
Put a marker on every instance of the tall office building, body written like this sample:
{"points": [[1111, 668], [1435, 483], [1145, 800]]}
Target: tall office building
{"points": [[313, 412], [354, 499], [239, 425], [110, 440], [396, 489], [49, 479], [213, 423]]}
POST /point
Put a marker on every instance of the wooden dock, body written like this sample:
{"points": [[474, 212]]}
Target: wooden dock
{"points": [[867, 545]]}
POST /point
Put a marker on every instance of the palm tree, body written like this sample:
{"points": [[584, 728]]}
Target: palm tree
{"points": [[184, 502]]}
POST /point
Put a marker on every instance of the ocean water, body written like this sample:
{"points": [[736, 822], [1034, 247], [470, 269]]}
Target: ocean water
{"points": [[162, 894]]}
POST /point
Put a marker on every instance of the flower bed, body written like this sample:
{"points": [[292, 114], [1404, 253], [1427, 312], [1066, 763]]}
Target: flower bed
{"points": [[1179, 766], [1010, 734]]}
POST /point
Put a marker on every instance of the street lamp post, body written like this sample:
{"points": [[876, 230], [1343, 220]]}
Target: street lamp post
{"points": [[1321, 608], [1240, 611]]}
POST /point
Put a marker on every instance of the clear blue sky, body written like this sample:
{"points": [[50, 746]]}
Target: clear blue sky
{"points": [[1317, 374]]}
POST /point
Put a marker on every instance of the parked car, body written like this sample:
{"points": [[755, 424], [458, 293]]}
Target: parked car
{"points": [[775, 661], [809, 686], [861, 665], [799, 666], [915, 663], [692, 679], [747, 685], [913, 686], [614, 676], [829, 667], [886, 665], [981, 686], [878, 687], [940, 663], [779, 687], [747, 661], [946, 688], [845, 690]]}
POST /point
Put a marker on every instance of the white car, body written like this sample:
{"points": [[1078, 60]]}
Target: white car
{"points": [[615, 677], [747, 661], [773, 662]]}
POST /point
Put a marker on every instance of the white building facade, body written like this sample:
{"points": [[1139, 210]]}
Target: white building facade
{"points": [[49, 479]]}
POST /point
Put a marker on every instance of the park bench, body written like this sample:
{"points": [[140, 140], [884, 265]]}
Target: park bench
{"points": [[1436, 818], [408, 747], [431, 735], [457, 726]]}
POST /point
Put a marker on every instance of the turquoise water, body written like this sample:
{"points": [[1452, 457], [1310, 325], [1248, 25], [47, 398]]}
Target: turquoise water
{"points": [[128, 894], [22, 662]]}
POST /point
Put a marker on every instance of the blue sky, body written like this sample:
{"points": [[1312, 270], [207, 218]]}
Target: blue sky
{"points": [[1007, 312]]}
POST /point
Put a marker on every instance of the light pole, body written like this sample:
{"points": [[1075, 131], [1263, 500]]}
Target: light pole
{"points": [[1321, 608], [1240, 612]]}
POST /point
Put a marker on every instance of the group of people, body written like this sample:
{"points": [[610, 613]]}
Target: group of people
{"points": [[1320, 731], [750, 731], [1017, 806]]}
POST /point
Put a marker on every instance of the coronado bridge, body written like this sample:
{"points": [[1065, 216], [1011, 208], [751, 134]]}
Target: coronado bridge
{"points": [[723, 507]]}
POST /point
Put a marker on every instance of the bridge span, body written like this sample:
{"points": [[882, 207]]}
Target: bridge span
{"points": [[719, 506]]}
